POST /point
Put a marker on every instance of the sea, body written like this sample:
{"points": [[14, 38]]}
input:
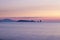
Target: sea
{"points": [[29, 31]]}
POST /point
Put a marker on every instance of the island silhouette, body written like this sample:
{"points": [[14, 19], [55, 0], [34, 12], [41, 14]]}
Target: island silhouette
{"points": [[26, 21], [7, 20], [10, 20]]}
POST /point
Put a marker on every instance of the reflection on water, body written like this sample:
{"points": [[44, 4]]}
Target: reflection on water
{"points": [[29, 31]]}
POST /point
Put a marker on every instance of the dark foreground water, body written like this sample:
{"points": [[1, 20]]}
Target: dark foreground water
{"points": [[29, 31]]}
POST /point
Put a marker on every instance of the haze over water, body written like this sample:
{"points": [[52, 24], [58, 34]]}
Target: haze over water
{"points": [[46, 10], [29, 31]]}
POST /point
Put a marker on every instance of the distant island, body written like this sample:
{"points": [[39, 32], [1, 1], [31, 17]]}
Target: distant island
{"points": [[10, 20], [7, 20], [26, 21]]}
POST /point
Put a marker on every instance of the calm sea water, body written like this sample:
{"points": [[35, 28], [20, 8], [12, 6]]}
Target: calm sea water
{"points": [[29, 31]]}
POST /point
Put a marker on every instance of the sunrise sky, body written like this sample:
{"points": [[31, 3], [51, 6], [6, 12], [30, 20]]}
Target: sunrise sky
{"points": [[30, 8]]}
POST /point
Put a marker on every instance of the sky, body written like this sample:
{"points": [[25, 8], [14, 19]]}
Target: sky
{"points": [[30, 8]]}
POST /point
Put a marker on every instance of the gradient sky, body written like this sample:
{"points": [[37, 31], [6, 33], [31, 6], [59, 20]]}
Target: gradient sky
{"points": [[29, 8]]}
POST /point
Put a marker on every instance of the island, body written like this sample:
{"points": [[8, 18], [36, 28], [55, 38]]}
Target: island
{"points": [[10, 20], [26, 21]]}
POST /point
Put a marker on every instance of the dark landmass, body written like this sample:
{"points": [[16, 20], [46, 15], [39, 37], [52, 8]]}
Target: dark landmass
{"points": [[26, 21], [7, 20], [10, 20]]}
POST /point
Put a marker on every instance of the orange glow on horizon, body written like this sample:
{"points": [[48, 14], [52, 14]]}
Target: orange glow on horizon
{"points": [[36, 13]]}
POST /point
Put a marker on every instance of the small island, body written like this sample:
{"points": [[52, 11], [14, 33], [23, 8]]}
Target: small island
{"points": [[7, 20], [25, 21]]}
